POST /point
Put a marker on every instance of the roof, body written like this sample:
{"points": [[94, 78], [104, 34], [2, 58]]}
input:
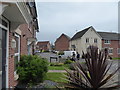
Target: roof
{"points": [[66, 36], [63, 35], [109, 35], [80, 34], [42, 43]]}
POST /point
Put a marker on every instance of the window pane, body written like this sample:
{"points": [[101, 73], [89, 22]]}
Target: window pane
{"points": [[15, 62], [118, 50], [95, 40], [0, 55], [17, 44], [87, 40], [110, 50]]}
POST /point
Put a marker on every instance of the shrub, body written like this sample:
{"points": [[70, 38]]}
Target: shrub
{"points": [[56, 64], [61, 53], [68, 62], [97, 75], [32, 69]]}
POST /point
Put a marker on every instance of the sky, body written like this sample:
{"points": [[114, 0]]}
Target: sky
{"points": [[56, 18]]}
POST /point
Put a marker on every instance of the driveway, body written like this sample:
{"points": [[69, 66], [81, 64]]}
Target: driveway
{"points": [[48, 55]]}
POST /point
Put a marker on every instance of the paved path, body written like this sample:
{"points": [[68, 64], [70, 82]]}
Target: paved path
{"points": [[58, 71]]}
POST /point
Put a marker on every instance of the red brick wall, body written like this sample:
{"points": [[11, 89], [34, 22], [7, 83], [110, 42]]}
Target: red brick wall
{"points": [[62, 43], [26, 33], [115, 45], [11, 80], [23, 50]]}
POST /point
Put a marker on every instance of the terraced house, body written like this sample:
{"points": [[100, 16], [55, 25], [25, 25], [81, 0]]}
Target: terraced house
{"points": [[18, 27]]}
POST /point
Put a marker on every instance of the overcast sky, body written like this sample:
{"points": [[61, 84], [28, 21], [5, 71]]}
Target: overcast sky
{"points": [[56, 18]]}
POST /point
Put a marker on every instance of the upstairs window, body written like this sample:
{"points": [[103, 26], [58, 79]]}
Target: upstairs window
{"points": [[95, 40], [87, 40], [107, 41]]}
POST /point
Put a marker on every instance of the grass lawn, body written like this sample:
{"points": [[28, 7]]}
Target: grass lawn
{"points": [[56, 77], [116, 58], [58, 67]]}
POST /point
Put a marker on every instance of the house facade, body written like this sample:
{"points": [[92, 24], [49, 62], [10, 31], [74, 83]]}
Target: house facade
{"points": [[111, 41], [43, 45], [83, 39], [62, 43], [17, 37]]}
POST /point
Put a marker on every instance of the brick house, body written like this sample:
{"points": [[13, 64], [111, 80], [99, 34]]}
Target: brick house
{"points": [[111, 41], [17, 37], [62, 43], [43, 45]]}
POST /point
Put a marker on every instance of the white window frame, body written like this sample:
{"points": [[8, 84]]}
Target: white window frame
{"points": [[109, 50], [87, 40], [17, 54], [107, 41], [95, 39], [7, 48], [118, 50]]}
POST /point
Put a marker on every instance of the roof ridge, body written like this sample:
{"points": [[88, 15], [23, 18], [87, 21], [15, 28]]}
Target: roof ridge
{"points": [[80, 33]]}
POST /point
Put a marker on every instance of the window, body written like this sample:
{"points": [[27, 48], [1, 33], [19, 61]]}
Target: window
{"points": [[95, 40], [0, 55], [118, 50], [110, 50], [107, 41], [87, 40], [17, 51]]}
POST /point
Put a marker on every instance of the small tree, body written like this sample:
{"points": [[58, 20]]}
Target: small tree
{"points": [[31, 69], [97, 75]]}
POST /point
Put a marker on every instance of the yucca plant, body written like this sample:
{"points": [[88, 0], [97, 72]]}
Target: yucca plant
{"points": [[97, 74]]}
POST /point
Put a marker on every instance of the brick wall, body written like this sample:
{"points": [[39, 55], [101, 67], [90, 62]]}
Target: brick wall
{"points": [[11, 80], [62, 43], [23, 50], [25, 34], [115, 45]]}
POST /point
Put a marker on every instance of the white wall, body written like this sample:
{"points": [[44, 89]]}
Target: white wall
{"points": [[81, 44]]}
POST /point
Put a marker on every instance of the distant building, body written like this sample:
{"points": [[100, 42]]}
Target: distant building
{"points": [[62, 43], [83, 39], [111, 41], [43, 45]]}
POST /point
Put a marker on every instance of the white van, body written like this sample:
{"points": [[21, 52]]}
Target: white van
{"points": [[68, 54]]}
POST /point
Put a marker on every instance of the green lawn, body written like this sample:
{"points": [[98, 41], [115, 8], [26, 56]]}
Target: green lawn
{"points": [[58, 67], [56, 77], [116, 58]]}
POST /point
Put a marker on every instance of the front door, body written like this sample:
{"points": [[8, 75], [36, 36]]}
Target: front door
{"points": [[3, 34]]}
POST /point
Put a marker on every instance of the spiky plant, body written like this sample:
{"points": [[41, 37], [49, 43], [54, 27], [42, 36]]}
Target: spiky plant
{"points": [[97, 75]]}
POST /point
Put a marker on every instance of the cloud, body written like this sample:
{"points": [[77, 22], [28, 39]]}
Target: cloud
{"points": [[67, 17]]}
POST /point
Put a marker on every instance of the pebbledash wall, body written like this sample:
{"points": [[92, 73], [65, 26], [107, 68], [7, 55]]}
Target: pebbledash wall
{"points": [[25, 34]]}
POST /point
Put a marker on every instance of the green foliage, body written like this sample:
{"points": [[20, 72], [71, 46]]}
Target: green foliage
{"points": [[56, 64], [97, 74], [116, 58], [59, 67], [56, 77], [32, 69], [61, 53], [68, 62]]}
